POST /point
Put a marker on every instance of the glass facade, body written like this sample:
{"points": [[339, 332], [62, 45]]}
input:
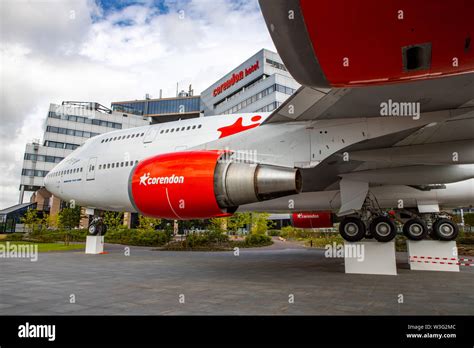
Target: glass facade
{"points": [[73, 132], [60, 145], [258, 96], [160, 106], [31, 172], [270, 107], [86, 120], [173, 106], [42, 158]]}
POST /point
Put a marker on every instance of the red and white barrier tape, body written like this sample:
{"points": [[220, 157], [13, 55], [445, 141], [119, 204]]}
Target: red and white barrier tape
{"points": [[446, 260]]}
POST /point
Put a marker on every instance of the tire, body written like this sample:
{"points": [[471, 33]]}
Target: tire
{"points": [[93, 229], [383, 229], [445, 230], [104, 230], [352, 229], [415, 229]]}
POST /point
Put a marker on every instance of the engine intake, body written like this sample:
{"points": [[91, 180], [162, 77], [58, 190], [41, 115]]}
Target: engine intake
{"points": [[203, 184]]}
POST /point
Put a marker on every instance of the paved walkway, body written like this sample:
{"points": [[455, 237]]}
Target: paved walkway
{"points": [[259, 281]]}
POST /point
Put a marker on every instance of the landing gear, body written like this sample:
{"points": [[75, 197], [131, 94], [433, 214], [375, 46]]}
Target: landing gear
{"points": [[371, 221], [97, 227], [383, 229], [352, 229], [415, 229], [444, 229]]}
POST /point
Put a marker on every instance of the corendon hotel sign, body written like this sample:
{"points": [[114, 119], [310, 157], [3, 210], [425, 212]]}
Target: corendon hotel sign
{"points": [[236, 77]]}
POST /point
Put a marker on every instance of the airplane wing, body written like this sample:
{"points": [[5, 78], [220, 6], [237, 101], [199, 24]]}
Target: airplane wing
{"points": [[309, 103], [352, 56]]}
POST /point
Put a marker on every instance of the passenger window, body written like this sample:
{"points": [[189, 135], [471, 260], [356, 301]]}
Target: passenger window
{"points": [[199, 126], [121, 164], [183, 128], [128, 136], [194, 127], [167, 131], [142, 134], [100, 166], [161, 131], [188, 127]]}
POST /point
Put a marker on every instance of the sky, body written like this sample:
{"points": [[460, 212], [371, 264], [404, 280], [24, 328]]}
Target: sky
{"points": [[104, 51]]}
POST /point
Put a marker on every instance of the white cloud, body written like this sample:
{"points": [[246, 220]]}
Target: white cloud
{"points": [[54, 50]]}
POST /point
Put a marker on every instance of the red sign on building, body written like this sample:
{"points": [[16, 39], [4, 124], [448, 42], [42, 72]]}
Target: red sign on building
{"points": [[236, 77]]}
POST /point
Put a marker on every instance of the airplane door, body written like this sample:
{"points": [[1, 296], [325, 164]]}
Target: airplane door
{"points": [[151, 134], [90, 175]]}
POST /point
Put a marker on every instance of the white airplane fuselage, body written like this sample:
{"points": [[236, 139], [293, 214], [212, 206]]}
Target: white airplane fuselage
{"points": [[98, 174]]}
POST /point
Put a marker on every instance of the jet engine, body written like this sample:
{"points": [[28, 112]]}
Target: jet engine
{"points": [[204, 184]]}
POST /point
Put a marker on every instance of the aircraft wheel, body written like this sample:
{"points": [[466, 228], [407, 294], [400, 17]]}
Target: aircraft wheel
{"points": [[97, 228], [444, 229], [93, 229], [383, 229], [415, 229], [352, 229]]}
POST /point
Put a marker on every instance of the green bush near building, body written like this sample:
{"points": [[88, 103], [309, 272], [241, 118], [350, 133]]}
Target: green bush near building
{"points": [[137, 237], [257, 240]]}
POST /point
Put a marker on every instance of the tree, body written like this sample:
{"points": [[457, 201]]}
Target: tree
{"points": [[238, 220], [52, 221], [147, 223], [113, 220], [260, 223], [68, 218], [215, 225], [32, 221]]}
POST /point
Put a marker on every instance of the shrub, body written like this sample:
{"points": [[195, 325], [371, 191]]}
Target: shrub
{"points": [[321, 240], [273, 233], [288, 232], [14, 237], [292, 232], [258, 240], [210, 237], [467, 239], [137, 237]]}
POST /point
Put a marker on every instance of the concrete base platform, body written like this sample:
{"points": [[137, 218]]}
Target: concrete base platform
{"points": [[432, 255], [370, 257], [94, 244]]}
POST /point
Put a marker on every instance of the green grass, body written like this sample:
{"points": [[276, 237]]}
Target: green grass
{"points": [[46, 247]]}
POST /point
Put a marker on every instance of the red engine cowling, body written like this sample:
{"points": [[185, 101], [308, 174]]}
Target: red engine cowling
{"points": [[204, 184], [317, 219]]}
